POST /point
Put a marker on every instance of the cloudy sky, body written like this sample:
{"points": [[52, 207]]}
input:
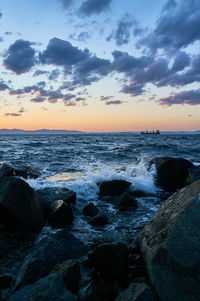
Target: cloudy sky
{"points": [[100, 65]]}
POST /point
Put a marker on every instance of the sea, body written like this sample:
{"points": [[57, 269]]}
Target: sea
{"points": [[80, 161]]}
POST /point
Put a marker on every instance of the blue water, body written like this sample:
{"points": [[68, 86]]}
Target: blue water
{"points": [[79, 161]]}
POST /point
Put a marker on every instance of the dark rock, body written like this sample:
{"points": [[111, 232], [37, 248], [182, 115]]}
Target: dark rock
{"points": [[110, 260], [20, 170], [90, 210], [20, 209], [170, 246], [113, 187], [171, 173], [54, 249], [61, 216], [99, 221], [137, 292], [5, 281], [125, 201], [4, 245], [70, 272], [50, 195], [193, 175], [50, 288]]}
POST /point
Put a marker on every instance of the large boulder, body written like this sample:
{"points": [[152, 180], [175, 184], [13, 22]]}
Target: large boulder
{"points": [[20, 209], [99, 220], [193, 175], [170, 245], [49, 288], [113, 187], [171, 173], [110, 260], [137, 292], [55, 249], [20, 170], [90, 210]]}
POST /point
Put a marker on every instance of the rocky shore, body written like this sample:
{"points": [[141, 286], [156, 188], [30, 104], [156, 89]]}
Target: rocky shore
{"points": [[163, 263]]}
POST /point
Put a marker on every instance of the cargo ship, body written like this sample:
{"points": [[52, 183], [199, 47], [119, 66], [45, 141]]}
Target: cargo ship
{"points": [[157, 132]]}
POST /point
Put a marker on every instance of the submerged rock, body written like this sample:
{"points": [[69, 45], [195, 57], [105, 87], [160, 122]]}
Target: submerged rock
{"points": [[54, 249], [193, 175], [99, 220], [170, 246], [90, 210], [20, 209], [61, 215], [110, 260], [113, 187], [20, 170], [137, 292], [125, 201], [50, 288], [171, 173]]}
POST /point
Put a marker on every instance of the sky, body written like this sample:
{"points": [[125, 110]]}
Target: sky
{"points": [[100, 65]]}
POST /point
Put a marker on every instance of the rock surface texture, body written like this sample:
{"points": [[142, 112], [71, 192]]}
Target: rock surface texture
{"points": [[170, 245]]}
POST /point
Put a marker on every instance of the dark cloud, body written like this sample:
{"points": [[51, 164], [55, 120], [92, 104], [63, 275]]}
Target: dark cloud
{"points": [[62, 53], [191, 97], [66, 3], [113, 102], [69, 103], [8, 33], [1, 15], [3, 86], [38, 99], [40, 72], [106, 98], [177, 27], [90, 7], [13, 114], [69, 96], [133, 90], [123, 31], [54, 74], [181, 61], [80, 98], [20, 57], [1, 39], [83, 36]]}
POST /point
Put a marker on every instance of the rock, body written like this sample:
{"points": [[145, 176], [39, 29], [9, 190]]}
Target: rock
{"points": [[61, 215], [50, 288], [5, 281], [54, 249], [4, 245], [137, 292], [99, 221], [171, 173], [70, 272], [20, 209], [193, 175], [170, 246], [125, 201], [90, 210], [50, 195], [113, 187], [20, 170], [110, 260]]}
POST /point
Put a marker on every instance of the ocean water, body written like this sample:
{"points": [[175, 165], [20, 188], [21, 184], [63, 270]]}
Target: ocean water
{"points": [[79, 161]]}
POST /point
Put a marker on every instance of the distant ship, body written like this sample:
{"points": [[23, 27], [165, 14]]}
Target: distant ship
{"points": [[150, 133]]}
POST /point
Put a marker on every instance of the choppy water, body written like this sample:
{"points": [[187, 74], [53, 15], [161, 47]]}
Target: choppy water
{"points": [[78, 162]]}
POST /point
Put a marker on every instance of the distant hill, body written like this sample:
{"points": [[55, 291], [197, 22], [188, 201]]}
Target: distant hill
{"points": [[37, 132]]}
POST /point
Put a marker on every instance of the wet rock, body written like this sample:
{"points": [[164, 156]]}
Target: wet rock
{"points": [[49, 288], [171, 173], [50, 195], [193, 175], [125, 202], [113, 187], [110, 260], [170, 246], [5, 281], [20, 209], [137, 292], [61, 215], [70, 273], [20, 170], [54, 249], [90, 210], [99, 221]]}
